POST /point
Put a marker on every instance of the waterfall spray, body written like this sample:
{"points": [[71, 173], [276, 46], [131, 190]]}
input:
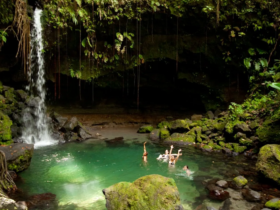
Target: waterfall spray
{"points": [[34, 117]]}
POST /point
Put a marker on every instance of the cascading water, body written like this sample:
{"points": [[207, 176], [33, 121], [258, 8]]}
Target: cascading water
{"points": [[34, 117]]}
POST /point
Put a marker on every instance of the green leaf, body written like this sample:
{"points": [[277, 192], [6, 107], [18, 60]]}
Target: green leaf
{"points": [[247, 62], [257, 66], [251, 51], [84, 42], [119, 36], [4, 39], [261, 52], [117, 57], [264, 62], [79, 2], [89, 42], [105, 59], [275, 85]]}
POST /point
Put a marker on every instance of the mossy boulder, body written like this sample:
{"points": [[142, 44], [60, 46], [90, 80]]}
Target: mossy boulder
{"points": [[239, 149], [269, 131], [207, 148], [184, 137], [18, 156], [240, 181], [230, 126], [164, 124], [222, 144], [179, 125], [164, 133], [269, 161], [273, 203], [246, 142], [242, 127], [219, 126], [9, 95], [150, 192], [5, 129], [145, 129], [198, 133]]}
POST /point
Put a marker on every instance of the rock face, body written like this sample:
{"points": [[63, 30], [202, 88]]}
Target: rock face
{"points": [[18, 156], [269, 161], [150, 192], [9, 204]]}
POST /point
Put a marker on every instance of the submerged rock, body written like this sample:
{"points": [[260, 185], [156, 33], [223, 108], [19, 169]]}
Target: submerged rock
{"points": [[269, 161], [251, 195], [18, 156], [217, 193], [9, 204], [43, 201], [273, 203], [148, 192]]}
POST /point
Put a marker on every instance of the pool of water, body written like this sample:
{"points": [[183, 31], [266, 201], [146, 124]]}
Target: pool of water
{"points": [[77, 172]]}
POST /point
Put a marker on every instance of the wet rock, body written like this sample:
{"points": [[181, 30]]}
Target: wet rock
{"points": [[273, 203], [179, 125], [58, 119], [254, 125], [115, 140], [240, 135], [33, 102], [164, 133], [210, 208], [269, 161], [231, 204], [14, 130], [254, 138], [207, 148], [21, 95], [154, 135], [74, 137], [210, 115], [242, 127], [235, 195], [84, 134], [18, 156], [222, 184], [148, 192], [217, 193], [240, 181], [217, 112], [71, 124], [9, 204], [251, 195], [18, 140], [43, 201], [196, 117]]}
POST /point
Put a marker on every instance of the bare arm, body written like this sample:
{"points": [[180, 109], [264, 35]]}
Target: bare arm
{"points": [[177, 155], [171, 147], [145, 147]]}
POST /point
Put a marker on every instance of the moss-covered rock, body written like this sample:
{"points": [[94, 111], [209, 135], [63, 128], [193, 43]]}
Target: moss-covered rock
{"points": [[9, 95], [269, 161], [273, 203], [1, 87], [223, 144], [18, 156], [198, 133], [239, 149], [269, 131], [150, 192], [145, 129], [240, 181], [242, 127], [230, 126], [5, 129], [229, 146], [164, 124], [219, 126], [164, 133], [207, 148], [246, 142], [184, 137], [179, 125]]}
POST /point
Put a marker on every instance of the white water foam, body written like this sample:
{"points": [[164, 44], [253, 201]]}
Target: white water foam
{"points": [[35, 122]]}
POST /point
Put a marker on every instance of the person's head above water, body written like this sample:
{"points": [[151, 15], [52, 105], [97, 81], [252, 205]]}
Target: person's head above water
{"points": [[186, 167], [166, 152]]}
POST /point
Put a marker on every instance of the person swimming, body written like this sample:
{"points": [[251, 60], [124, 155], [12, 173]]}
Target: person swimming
{"points": [[163, 156], [186, 168], [172, 159], [145, 154]]}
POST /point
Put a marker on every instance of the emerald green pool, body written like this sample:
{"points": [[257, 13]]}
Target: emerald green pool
{"points": [[77, 172]]}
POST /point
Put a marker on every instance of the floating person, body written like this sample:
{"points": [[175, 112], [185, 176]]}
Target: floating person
{"points": [[186, 168], [172, 159], [145, 154], [163, 157]]}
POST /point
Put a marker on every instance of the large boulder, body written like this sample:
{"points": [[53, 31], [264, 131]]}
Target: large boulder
{"points": [[58, 119], [179, 125], [5, 129], [269, 161], [71, 124], [18, 156], [154, 135], [145, 129], [147, 192]]}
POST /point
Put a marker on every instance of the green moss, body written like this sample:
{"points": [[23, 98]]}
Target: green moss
{"points": [[223, 144], [220, 126], [269, 131], [211, 144], [230, 126], [164, 133], [1, 87], [182, 137], [145, 129], [240, 181], [5, 129], [229, 146], [239, 149], [21, 163], [207, 147], [246, 142], [179, 125], [9, 94], [164, 124], [198, 133], [273, 203], [217, 147]]}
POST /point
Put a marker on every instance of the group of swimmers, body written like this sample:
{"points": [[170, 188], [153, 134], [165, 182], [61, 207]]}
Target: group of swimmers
{"points": [[168, 156]]}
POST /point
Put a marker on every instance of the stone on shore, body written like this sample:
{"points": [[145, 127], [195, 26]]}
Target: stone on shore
{"points": [[145, 129], [240, 181]]}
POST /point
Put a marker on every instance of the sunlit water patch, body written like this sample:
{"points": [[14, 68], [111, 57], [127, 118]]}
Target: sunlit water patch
{"points": [[77, 172]]}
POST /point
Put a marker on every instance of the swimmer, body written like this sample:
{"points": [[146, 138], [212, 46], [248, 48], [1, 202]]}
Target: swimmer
{"points": [[186, 168], [163, 156], [172, 159], [145, 154]]}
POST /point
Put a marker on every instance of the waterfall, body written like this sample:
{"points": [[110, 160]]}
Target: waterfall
{"points": [[34, 117]]}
